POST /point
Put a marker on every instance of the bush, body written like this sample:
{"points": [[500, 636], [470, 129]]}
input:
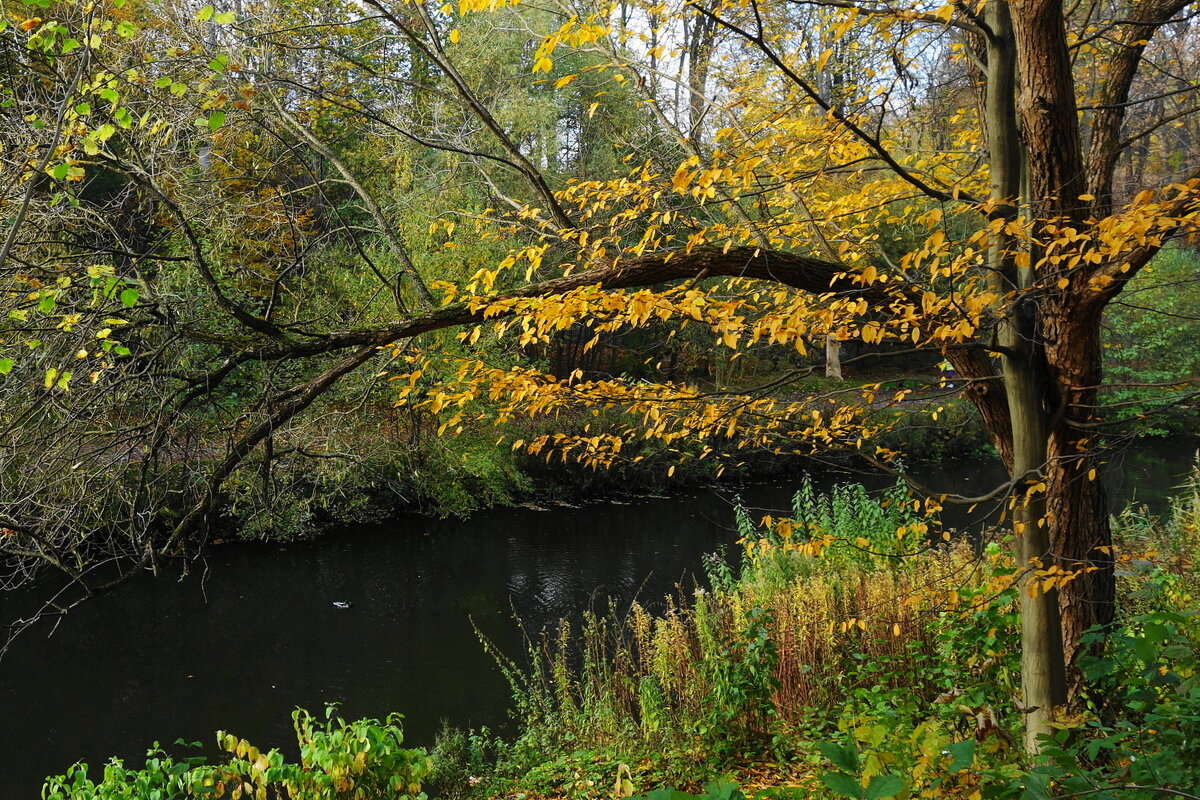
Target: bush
{"points": [[339, 760], [840, 619]]}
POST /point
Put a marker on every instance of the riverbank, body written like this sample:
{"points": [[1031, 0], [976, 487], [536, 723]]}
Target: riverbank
{"points": [[823, 657], [397, 469], [833, 667]]}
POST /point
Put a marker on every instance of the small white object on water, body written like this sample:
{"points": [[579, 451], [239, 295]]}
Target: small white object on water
{"points": [[342, 604]]}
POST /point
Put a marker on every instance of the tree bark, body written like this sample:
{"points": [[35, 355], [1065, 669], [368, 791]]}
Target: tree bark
{"points": [[1043, 673], [1047, 109], [1077, 505], [833, 359]]}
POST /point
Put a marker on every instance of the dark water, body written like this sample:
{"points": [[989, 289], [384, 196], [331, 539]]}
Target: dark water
{"points": [[259, 636]]}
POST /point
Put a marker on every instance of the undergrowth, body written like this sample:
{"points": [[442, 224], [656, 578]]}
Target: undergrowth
{"points": [[854, 652]]}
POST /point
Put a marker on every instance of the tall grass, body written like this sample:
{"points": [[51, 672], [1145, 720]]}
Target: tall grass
{"points": [[1158, 554], [735, 672]]}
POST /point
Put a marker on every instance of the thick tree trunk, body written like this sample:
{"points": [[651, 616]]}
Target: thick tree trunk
{"points": [[1046, 105], [1043, 667], [1077, 506], [1026, 380], [1081, 540]]}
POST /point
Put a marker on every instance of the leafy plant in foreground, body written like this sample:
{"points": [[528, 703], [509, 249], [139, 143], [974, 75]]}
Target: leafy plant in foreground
{"points": [[339, 760]]}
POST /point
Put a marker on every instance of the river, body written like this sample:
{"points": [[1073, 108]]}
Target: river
{"points": [[238, 646]]}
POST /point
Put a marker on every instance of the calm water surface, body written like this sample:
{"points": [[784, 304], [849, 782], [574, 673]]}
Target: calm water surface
{"points": [[259, 635]]}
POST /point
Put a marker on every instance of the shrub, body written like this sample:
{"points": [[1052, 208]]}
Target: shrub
{"points": [[339, 760]]}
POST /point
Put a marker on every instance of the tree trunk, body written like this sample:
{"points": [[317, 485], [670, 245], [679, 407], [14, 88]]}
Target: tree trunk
{"points": [[1043, 674], [1077, 505], [833, 359], [703, 33], [1043, 664]]}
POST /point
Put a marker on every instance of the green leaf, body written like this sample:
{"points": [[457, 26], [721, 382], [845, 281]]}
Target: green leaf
{"points": [[963, 754], [844, 758], [668, 794], [216, 120], [1037, 786], [882, 786], [204, 14], [225, 18], [59, 172], [722, 790], [83, 109], [1177, 652], [126, 29], [162, 83], [68, 45], [842, 785], [219, 63], [6, 365], [129, 297]]}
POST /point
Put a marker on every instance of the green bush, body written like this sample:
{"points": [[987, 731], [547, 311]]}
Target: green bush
{"points": [[339, 760]]}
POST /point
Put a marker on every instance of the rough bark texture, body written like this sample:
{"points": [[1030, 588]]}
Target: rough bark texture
{"points": [[1046, 105], [1025, 57], [1077, 508], [984, 387], [1065, 335]]}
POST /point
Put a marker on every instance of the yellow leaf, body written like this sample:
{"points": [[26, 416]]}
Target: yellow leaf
{"points": [[564, 80], [455, 35]]}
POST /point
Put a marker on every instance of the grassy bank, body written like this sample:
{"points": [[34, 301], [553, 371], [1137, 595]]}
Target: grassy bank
{"points": [[848, 658], [855, 653]]}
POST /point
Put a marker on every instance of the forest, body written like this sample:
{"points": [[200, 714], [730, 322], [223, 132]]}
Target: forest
{"points": [[270, 269]]}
